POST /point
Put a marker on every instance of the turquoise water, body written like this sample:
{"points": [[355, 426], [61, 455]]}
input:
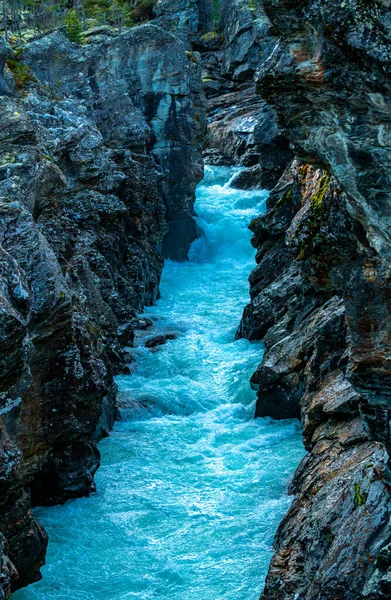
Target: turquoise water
{"points": [[191, 488]]}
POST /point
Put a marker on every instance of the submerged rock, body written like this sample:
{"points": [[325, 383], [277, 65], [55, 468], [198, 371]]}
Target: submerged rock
{"points": [[159, 340]]}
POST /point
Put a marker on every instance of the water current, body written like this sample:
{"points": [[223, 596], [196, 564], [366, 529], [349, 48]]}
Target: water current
{"points": [[191, 487]]}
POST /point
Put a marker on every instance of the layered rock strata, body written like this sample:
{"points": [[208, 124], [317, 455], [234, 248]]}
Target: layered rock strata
{"points": [[320, 296], [242, 127], [233, 37], [100, 156]]}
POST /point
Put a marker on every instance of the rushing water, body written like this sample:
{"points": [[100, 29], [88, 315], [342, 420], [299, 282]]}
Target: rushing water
{"points": [[191, 488]]}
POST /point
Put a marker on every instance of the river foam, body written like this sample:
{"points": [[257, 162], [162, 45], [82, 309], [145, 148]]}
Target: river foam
{"points": [[191, 488]]}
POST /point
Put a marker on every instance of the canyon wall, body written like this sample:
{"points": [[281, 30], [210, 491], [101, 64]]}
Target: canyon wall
{"points": [[100, 156], [242, 126], [233, 38], [101, 153], [320, 295]]}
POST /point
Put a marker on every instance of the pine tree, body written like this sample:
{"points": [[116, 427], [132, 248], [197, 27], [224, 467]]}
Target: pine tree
{"points": [[73, 26], [121, 15]]}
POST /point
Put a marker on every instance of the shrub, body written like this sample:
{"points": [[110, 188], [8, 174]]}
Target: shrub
{"points": [[20, 72]]}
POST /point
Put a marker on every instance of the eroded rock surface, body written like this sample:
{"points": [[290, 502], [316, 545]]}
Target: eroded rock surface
{"points": [[323, 309], [233, 38], [242, 127], [100, 156], [320, 301]]}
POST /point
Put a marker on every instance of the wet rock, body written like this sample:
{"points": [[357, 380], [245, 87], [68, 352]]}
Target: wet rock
{"points": [[126, 334], [156, 103], [142, 323], [242, 127], [248, 179], [8, 574], [159, 340], [327, 78], [233, 38]]}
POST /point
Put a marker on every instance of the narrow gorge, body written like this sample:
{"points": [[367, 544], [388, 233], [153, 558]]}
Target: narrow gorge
{"points": [[187, 466], [138, 142]]}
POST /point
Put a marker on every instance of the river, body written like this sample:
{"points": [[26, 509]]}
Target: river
{"points": [[191, 489]]}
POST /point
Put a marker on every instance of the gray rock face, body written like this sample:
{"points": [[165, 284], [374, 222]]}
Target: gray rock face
{"points": [[99, 157], [320, 303], [143, 96], [332, 60], [319, 293], [180, 17], [233, 37], [242, 127]]}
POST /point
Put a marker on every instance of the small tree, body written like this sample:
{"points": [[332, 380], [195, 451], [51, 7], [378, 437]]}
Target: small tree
{"points": [[121, 15], [73, 26]]}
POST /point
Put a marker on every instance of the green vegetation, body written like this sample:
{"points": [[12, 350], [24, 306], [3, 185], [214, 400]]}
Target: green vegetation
{"points": [[97, 10], [311, 226], [73, 27], [286, 197], [24, 19], [360, 497], [192, 57], [20, 72], [210, 36], [146, 4], [216, 14], [319, 194], [7, 159]]}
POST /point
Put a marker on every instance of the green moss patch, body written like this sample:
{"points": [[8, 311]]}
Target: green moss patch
{"points": [[192, 56], [360, 497], [311, 226], [319, 194]]}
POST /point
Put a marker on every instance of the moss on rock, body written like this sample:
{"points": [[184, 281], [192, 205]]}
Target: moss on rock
{"points": [[360, 497], [310, 226]]}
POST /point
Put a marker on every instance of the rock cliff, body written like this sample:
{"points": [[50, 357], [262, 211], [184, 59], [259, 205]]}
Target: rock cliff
{"points": [[100, 156], [242, 127], [320, 295], [233, 38]]}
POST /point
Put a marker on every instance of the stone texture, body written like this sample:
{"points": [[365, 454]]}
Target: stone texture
{"points": [[324, 310], [242, 127], [311, 310], [99, 159], [100, 150], [233, 37]]}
